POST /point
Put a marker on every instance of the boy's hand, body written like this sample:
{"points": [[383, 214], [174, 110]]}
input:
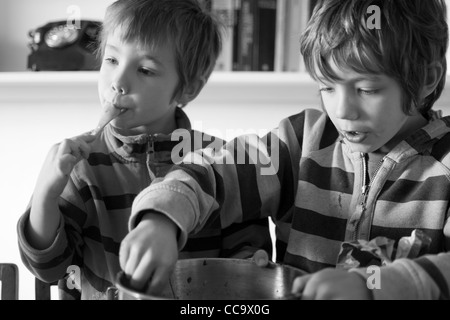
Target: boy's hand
{"points": [[60, 162], [149, 252], [261, 259], [45, 215], [332, 284]]}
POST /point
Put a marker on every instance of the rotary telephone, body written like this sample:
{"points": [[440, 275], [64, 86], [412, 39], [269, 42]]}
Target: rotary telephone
{"points": [[58, 46]]}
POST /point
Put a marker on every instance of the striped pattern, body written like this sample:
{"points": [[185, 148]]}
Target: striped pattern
{"points": [[315, 196], [96, 207], [437, 276]]}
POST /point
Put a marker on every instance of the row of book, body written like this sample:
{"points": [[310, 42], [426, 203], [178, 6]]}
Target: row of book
{"points": [[261, 35]]}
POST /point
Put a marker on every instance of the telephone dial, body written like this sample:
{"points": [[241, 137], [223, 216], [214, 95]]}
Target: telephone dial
{"points": [[59, 46]]}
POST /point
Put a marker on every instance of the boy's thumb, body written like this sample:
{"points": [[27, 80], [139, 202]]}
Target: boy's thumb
{"points": [[261, 258]]}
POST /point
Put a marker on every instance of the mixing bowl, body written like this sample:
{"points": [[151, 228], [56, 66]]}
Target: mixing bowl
{"points": [[219, 279]]}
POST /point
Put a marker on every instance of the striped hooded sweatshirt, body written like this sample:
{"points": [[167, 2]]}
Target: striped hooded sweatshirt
{"points": [[320, 194], [96, 207]]}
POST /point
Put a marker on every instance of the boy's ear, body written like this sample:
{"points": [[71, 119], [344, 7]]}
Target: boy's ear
{"points": [[192, 90], [432, 78]]}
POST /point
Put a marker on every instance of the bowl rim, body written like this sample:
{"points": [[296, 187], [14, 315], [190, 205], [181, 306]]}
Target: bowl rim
{"points": [[145, 296]]}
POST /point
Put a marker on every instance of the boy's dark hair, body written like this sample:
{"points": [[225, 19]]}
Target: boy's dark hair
{"points": [[194, 33], [413, 34]]}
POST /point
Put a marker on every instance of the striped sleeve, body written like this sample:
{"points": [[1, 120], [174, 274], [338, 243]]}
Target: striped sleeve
{"points": [[242, 240], [426, 278], [51, 264], [247, 179]]}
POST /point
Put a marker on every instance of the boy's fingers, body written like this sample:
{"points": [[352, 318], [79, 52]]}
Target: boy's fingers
{"points": [[159, 280], [69, 146], [124, 253], [142, 273], [81, 144], [261, 258], [131, 263], [299, 284], [66, 164], [85, 149], [88, 136], [63, 149], [78, 147]]}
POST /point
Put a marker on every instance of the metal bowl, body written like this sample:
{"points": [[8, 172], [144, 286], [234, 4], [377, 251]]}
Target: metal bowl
{"points": [[219, 279]]}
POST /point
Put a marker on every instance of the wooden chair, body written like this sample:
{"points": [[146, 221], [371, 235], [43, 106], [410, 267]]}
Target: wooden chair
{"points": [[43, 290], [9, 276]]}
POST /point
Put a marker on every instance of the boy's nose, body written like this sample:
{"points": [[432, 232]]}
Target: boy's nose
{"points": [[119, 82], [346, 107], [119, 88]]}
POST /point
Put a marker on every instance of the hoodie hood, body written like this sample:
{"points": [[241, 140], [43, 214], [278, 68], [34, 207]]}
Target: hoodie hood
{"points": [[426, 140]]}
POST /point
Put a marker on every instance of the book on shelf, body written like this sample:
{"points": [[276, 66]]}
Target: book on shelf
{"points": [[236, 47], [224, 11], [246, 36], [265, 35], [296, 17], [256, 36], [279, 37], [261, 35]]}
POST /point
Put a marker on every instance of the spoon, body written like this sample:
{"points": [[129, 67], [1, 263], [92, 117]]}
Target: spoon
{"points": [[108, 115]]}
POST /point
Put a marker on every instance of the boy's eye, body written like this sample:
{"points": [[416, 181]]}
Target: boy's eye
{"points": [[326, 89], [368, 91], [110, 60], [147, 72]]}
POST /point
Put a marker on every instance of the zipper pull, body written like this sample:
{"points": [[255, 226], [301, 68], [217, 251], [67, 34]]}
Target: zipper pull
{"points": [[151, 145], [365, 189], [365, 185]]}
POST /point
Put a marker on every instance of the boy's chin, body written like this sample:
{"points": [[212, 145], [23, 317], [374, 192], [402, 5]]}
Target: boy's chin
{"points": [[361, 148], [121, 129], [127, 131]]}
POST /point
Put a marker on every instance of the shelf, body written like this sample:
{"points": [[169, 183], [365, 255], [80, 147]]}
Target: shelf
{"points": [[222, 88]]}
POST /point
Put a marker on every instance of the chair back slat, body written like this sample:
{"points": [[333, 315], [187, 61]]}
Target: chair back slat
{"points": [[9, 276]]}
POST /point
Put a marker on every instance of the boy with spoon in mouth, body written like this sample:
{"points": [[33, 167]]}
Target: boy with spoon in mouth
{"points": [[81, 205]]}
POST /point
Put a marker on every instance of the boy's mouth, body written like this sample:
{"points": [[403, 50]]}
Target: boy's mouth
{"points": [[354, 136], [117, 106], [122, 109]]}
